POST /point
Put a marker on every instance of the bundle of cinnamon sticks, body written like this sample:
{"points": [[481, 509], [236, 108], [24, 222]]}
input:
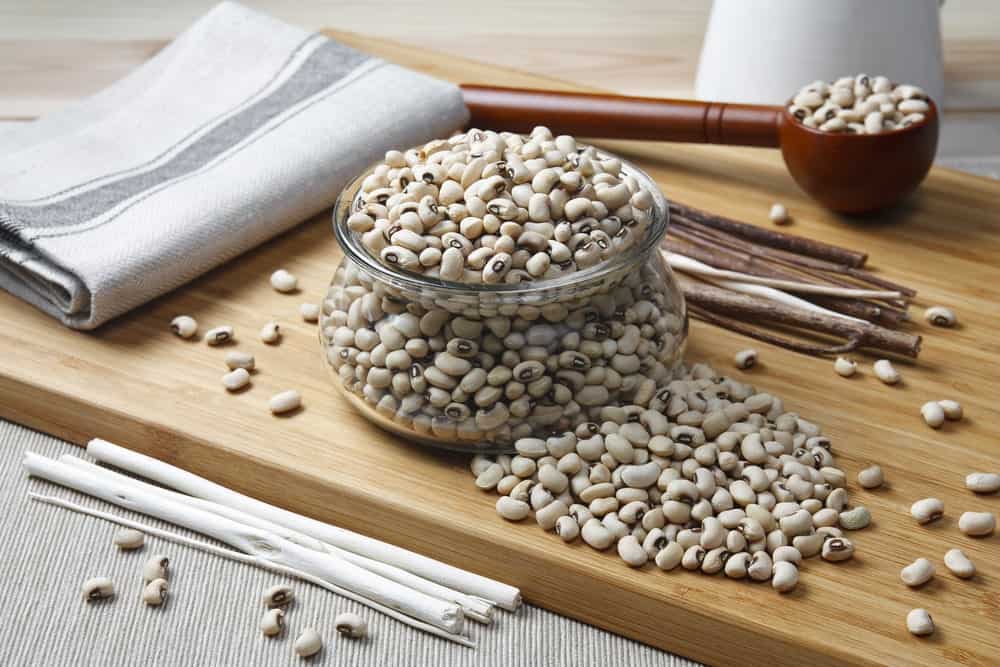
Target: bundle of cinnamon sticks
{"points": [[799, 293]]}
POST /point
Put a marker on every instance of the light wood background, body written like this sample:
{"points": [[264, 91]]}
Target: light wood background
{"points": [[135, 383], [56, 51]]}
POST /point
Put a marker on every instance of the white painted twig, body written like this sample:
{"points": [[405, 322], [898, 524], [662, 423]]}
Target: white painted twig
{"points": [[505, 596], [254, 541], [141, 486], [255, 561], [692, 266], [474, 608], [773, 294]]}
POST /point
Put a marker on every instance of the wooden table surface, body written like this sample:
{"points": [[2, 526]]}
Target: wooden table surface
{"points": [[53, 52], [135, 383]]}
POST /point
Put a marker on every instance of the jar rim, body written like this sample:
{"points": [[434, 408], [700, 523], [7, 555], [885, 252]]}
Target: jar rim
{"points": [[350, 243]]}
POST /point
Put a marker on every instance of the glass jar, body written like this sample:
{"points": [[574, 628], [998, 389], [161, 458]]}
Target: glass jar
{"points": [[523, 360]]}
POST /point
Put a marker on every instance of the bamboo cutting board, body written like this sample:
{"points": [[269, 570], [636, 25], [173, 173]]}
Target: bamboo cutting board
{"points": [[134, 383]]}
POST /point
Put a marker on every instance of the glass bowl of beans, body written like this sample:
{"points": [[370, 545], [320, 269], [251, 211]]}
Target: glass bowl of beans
{"points": [[497, 286]]}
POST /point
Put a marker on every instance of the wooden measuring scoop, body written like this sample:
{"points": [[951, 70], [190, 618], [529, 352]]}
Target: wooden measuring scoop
{"points": [[849, 173]]}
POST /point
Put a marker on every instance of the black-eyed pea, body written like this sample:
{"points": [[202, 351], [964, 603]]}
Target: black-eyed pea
{"points": [[977, 524], [784, 577], [308, 643], [156, 567], [983, 482], [919, 622], [927, 510], [917, 573], [272, 623], [129, 539], [97, 588], [154, 593], [959, 564]]}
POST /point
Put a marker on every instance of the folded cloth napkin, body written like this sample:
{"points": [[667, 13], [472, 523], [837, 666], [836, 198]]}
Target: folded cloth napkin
{"points": [[235, 132]]}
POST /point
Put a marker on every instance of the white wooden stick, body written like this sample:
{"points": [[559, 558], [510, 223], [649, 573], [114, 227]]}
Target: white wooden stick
{"points": [[256, 562], [690, 265], [254, 541], [769, 293], [144, 487], [505, 596], [773, 295], [474, 608]]}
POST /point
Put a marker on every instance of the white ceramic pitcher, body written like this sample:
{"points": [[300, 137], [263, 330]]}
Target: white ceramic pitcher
{"points": [[762, 51]]}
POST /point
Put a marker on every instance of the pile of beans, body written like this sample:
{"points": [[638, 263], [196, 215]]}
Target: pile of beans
{"points": [[859, 105], [712, 476], [487, 207]]}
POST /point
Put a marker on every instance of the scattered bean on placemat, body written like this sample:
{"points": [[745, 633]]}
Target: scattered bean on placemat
{"points": [[278, 596], [97, 588], [155, 568], [128, 539], [273, 622], [308, 643], [155, 592], [350, 625]]}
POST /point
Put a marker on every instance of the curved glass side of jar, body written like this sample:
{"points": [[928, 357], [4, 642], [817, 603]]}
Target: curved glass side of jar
{"points": [[473, 370]]}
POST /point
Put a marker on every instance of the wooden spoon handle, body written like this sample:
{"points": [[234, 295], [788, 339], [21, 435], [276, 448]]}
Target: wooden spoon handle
{"points": [[619, 117]]}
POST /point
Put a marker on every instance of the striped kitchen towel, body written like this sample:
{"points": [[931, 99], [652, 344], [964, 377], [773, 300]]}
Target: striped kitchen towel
{"points": [[236, 131]]}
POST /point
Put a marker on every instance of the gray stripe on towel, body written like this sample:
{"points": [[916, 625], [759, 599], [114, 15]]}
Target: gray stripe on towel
{"points": [[328, 64], [187, 137]]}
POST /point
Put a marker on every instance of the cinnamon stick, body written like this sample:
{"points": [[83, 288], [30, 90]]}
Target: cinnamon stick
{"points": [[769, 237], [727, 305], [747, 330], [680, 222], [875, 313]]}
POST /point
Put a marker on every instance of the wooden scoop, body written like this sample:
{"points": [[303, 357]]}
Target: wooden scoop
{"points": [[849, 173]]}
